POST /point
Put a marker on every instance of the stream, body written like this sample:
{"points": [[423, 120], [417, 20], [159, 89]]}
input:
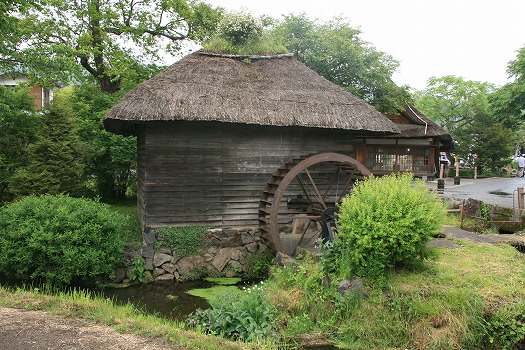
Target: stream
{"points": [[169, 300]]}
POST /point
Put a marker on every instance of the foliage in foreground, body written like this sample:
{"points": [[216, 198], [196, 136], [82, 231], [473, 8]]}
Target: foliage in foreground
{"points": [[59, 240], [384, 222], [247, 316], [467, 298], [464, 299]]}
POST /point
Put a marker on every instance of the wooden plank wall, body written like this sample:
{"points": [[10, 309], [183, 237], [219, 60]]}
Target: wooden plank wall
{"points": [[214, 173]]}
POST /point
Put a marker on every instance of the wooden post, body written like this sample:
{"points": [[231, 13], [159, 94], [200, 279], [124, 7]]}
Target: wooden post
{"points": [[520, 198], [475, 173]]}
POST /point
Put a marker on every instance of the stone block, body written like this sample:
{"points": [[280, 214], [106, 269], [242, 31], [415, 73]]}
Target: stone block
{"points": [[169, 267], [222, 258], [189, 264], [161, 258], [165, 250], [252, 247], [166, 277], [149, 264], [149, 238], [148, 251]]}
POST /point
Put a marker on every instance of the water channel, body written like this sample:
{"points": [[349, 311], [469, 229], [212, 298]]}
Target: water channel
{"points": [[169, 300]]}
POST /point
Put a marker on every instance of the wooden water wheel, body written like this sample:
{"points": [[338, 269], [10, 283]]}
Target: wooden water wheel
{"points": [[300, 200]]}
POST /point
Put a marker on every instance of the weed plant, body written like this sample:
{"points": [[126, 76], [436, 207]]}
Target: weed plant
{"points": [[258, 265], [246, 317]]}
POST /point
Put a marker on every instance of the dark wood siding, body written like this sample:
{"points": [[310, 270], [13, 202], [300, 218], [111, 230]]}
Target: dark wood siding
{"points": [[214, 173]]}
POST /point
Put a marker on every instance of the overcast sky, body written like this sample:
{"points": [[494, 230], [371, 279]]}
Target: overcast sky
{"points": [[474, 39]]}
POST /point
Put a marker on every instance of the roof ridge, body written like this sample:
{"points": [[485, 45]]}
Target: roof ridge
{"points": [[246, 56]]}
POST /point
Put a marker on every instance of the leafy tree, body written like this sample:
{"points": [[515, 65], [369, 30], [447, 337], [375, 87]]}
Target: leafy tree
{"points": [[335, 50], [461, 107], [18, 125], [55, 160], [492, 142], [108, 40], [110, 158], [508, 103]]}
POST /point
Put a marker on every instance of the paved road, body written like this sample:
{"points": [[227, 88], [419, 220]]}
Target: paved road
{"points": [[495, 190]]}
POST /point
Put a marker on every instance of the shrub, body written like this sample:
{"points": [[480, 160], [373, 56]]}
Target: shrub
{"points": [[239, 27], [242, 34], [59, 240], [385, 222], [258, 264], [184, 240], [245, 317]]}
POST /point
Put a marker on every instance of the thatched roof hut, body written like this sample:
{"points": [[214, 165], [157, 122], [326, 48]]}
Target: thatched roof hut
{"points": [[213, 129], [271, 91]]}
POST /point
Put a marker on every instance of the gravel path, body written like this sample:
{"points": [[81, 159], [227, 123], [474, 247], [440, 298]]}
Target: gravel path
{"points": [[23, 330]]}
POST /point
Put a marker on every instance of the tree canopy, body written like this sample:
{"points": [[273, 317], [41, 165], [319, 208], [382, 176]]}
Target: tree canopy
{"points": [[462, 108], [335, 50], [508, 103], [110, 41]]}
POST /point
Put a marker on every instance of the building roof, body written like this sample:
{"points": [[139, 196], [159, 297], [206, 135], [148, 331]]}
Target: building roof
{"points": [[274, 91], [420, 126]]}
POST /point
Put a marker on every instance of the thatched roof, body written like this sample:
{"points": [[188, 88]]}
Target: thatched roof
{"points": [[277, 91]]}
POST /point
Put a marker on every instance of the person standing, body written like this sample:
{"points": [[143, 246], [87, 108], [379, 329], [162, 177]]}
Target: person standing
{"points": [[521, 165]]}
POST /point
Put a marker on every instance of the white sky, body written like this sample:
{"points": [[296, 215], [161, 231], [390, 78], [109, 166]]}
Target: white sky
{"points": [[474, 39]]}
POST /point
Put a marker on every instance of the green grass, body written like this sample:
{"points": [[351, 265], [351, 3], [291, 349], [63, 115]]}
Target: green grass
{"points": [[447, 304], [103, 311]]}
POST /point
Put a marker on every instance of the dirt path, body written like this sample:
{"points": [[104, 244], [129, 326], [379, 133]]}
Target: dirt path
{"points": [[23, 330]]}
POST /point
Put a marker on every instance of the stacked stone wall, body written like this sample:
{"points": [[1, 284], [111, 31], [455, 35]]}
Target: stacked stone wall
{"points": [[224, 254]]}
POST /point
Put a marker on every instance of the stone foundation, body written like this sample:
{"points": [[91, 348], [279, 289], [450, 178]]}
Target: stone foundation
{"points": [[224, 255]]}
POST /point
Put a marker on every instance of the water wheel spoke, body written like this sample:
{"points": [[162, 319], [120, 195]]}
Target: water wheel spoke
{"points": [[304, 232], [303, 186], [326, 193], [317, 234], [316, 190]]}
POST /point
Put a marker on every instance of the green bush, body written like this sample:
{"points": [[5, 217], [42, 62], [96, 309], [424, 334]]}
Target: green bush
{"points": [[59, 240], [385, 222], [242, 34], [184, 240], [247, 316], [258, 264]]}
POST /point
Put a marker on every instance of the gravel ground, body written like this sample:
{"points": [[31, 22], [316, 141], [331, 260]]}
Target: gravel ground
{"points": [[23, 330]]}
